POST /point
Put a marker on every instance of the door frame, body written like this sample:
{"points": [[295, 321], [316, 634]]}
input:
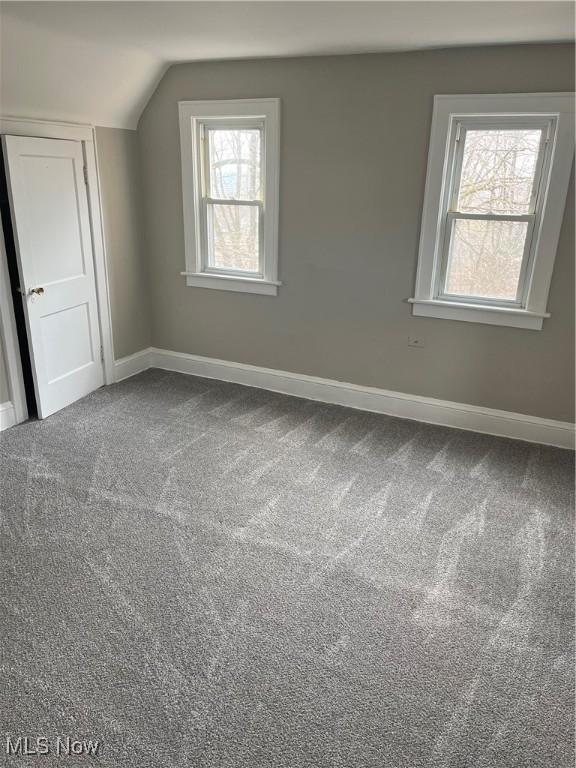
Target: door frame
{"points": [[85, 134]]}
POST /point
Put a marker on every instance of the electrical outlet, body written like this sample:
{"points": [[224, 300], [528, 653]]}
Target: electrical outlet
{"points": [[416, 341]]}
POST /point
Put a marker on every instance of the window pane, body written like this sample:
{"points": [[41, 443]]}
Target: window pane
{"points": [[234, 163], [485, 258], [498, 168], [233, 237]]}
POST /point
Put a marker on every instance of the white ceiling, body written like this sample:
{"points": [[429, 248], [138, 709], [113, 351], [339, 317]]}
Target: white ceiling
{"points": [[99, 62]]}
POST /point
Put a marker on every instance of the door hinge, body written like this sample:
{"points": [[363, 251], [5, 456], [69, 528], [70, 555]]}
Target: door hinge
{"points": [[85, 175], [101, 353]]}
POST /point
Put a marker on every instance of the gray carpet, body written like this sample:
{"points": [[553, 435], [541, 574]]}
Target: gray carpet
{"points": [[201, 574]]}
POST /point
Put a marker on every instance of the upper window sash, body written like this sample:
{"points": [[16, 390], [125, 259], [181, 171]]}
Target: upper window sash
{"points": [[204, 127], [462, 127]]}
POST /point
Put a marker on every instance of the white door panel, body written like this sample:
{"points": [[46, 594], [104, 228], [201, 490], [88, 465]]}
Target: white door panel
{"points": [[52, 233]]}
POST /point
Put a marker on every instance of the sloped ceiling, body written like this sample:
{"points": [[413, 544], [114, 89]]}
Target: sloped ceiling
{"points": [[99, 62]]}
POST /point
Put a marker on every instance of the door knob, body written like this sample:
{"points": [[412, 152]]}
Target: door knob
{"points": [[37, 291]]}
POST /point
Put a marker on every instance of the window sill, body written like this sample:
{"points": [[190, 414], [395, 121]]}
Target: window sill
{"points": [[231, 283], [474, 313]]}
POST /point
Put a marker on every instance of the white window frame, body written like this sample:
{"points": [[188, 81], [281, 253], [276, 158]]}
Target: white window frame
{"points": [[263, 114], [453, 114]]}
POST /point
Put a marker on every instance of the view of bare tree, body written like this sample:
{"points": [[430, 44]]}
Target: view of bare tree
{"points": [[497, 178], [235, 174]]}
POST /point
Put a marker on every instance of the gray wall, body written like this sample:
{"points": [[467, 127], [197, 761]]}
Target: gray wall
{"points": [[121, 188], [354, 141]]}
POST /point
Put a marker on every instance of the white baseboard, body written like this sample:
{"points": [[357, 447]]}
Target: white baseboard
{"points": [[7, 415], [415, 407], [133, 364]]}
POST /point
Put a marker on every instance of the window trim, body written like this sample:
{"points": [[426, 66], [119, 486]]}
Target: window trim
{"points": [[553, 108], [249, 112]]}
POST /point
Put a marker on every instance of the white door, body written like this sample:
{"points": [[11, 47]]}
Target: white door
{"points": [[51, 223]]}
